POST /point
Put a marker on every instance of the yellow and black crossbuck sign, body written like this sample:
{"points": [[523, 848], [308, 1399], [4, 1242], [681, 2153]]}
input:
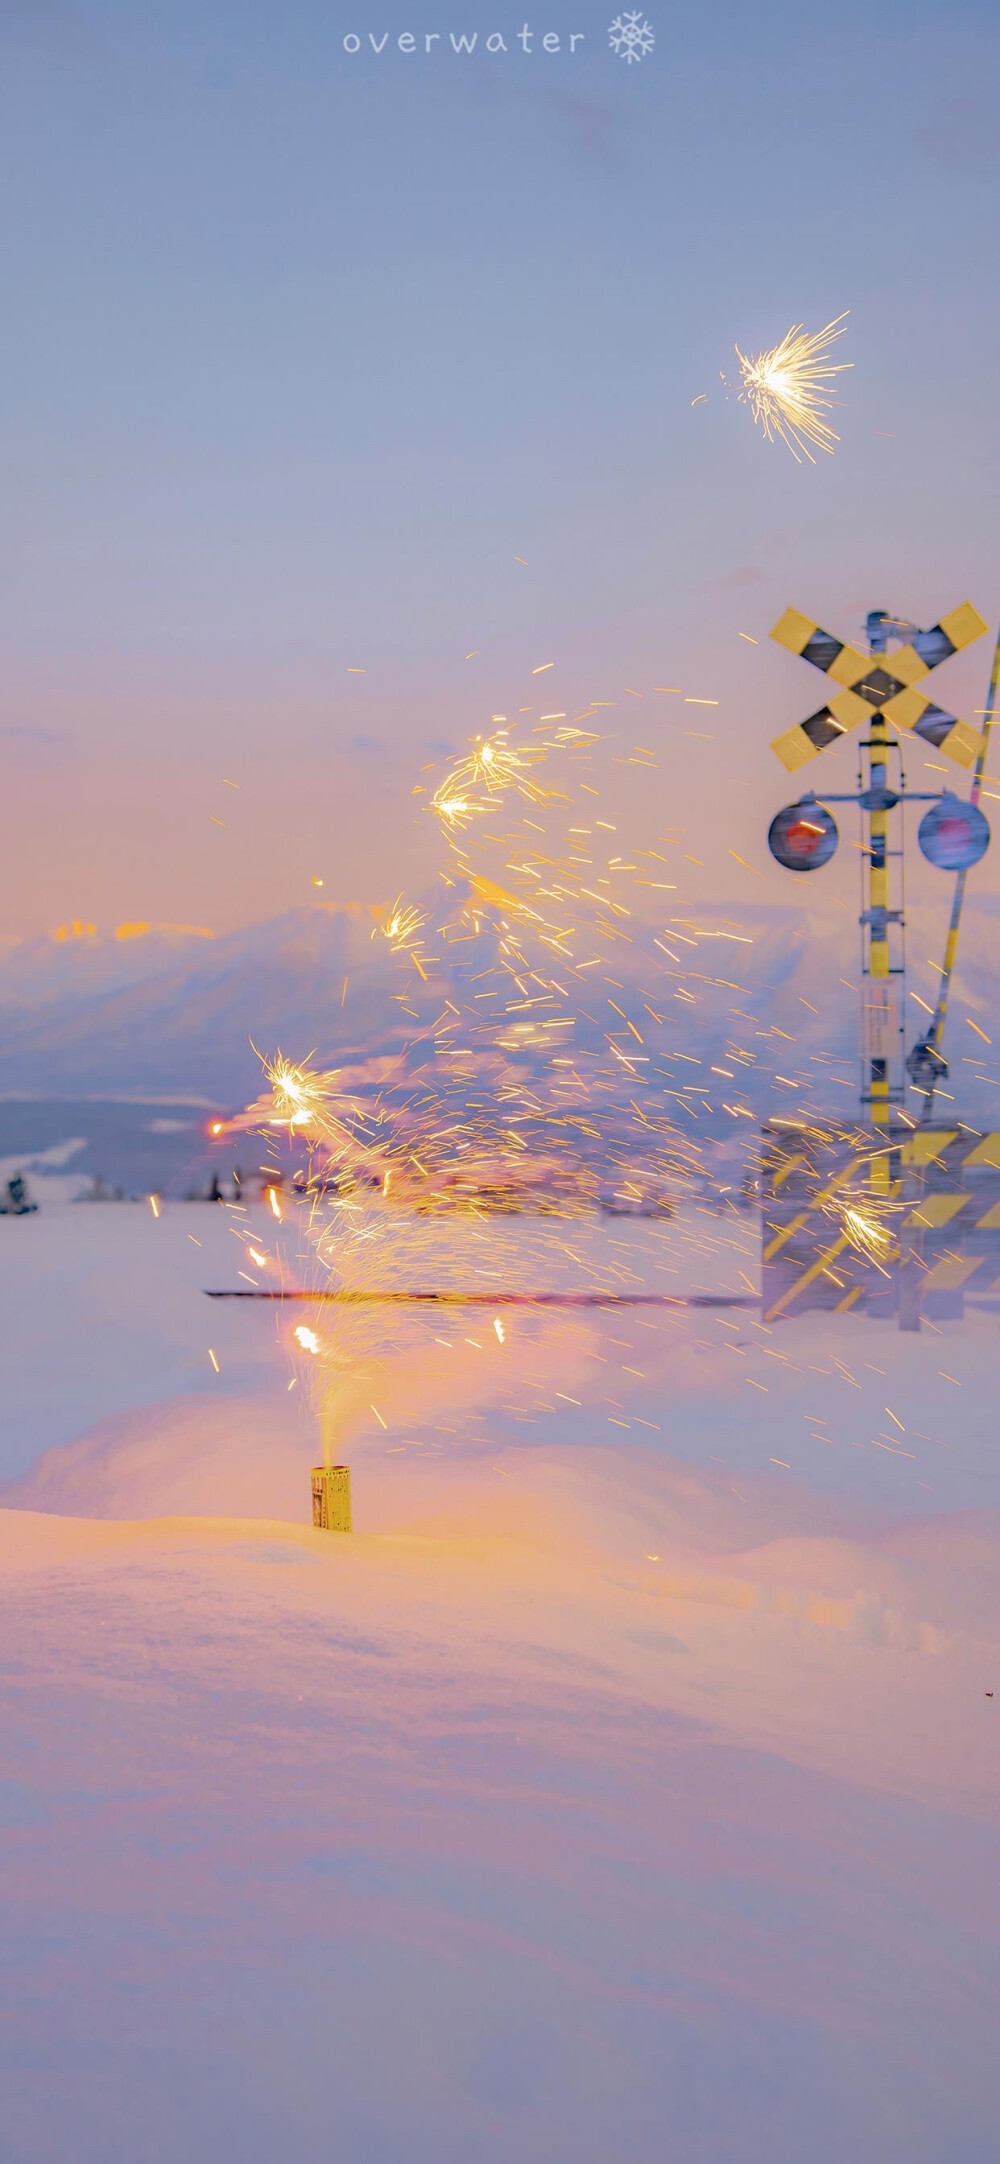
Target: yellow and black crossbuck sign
{"points": [[878, 688]]}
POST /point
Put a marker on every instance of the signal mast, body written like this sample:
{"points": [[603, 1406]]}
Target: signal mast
{"points": [[839, 1208], [876, 690]]}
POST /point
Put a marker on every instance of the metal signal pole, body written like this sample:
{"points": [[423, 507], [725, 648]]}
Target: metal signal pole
{"points": [[882, 1014]]}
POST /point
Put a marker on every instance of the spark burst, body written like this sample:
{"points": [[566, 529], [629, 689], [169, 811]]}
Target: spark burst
{"points": [[788, 388], [491, 766], [869, 1223], [866, 1233], [298, 1092], [401, 925]]}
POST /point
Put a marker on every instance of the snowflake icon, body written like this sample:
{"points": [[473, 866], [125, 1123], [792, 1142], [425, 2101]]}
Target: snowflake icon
{"points": [[631, 35]]}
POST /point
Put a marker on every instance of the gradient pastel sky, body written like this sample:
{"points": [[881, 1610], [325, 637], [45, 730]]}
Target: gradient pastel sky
{"points": [[305, 349]]}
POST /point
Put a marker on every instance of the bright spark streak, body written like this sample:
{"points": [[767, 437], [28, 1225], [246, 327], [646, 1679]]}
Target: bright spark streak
{"points": [[788, 388], [490, 767], [866, 1233], [402, 923], [298, 1095]]}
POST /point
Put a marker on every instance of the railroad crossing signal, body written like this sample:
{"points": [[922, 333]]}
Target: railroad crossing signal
{"points": [[902, 1178], [879, 689], [876, 689]]}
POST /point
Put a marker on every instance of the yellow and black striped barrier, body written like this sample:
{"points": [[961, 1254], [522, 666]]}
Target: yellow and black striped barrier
{"points": [[846, 1212]]}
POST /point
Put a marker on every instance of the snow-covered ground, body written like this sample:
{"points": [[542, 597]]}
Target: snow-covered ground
{"points": [[623, 1788]]}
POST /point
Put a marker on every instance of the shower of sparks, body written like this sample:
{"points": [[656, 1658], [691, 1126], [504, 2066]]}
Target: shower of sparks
{"points": [[540, 1065], [538, 1073], [543, 1069], [788, 389]]}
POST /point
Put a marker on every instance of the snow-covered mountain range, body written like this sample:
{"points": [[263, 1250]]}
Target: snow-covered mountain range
{"points": [[766, 996]]}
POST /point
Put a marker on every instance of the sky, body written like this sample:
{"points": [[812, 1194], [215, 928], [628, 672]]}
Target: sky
{"points": [[327, 370]]}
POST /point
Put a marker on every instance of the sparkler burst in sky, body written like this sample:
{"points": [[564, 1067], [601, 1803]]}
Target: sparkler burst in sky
{"points": [[788, 388]]}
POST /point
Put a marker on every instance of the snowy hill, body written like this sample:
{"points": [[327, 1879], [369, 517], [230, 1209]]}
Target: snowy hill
{"points": [[622, 1788]]}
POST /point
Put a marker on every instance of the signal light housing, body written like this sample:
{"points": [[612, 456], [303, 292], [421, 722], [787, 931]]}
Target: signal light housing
{"points": [[803, 836]]}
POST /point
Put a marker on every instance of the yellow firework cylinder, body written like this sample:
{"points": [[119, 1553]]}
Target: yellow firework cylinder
{"points": [[331, 1498]]}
